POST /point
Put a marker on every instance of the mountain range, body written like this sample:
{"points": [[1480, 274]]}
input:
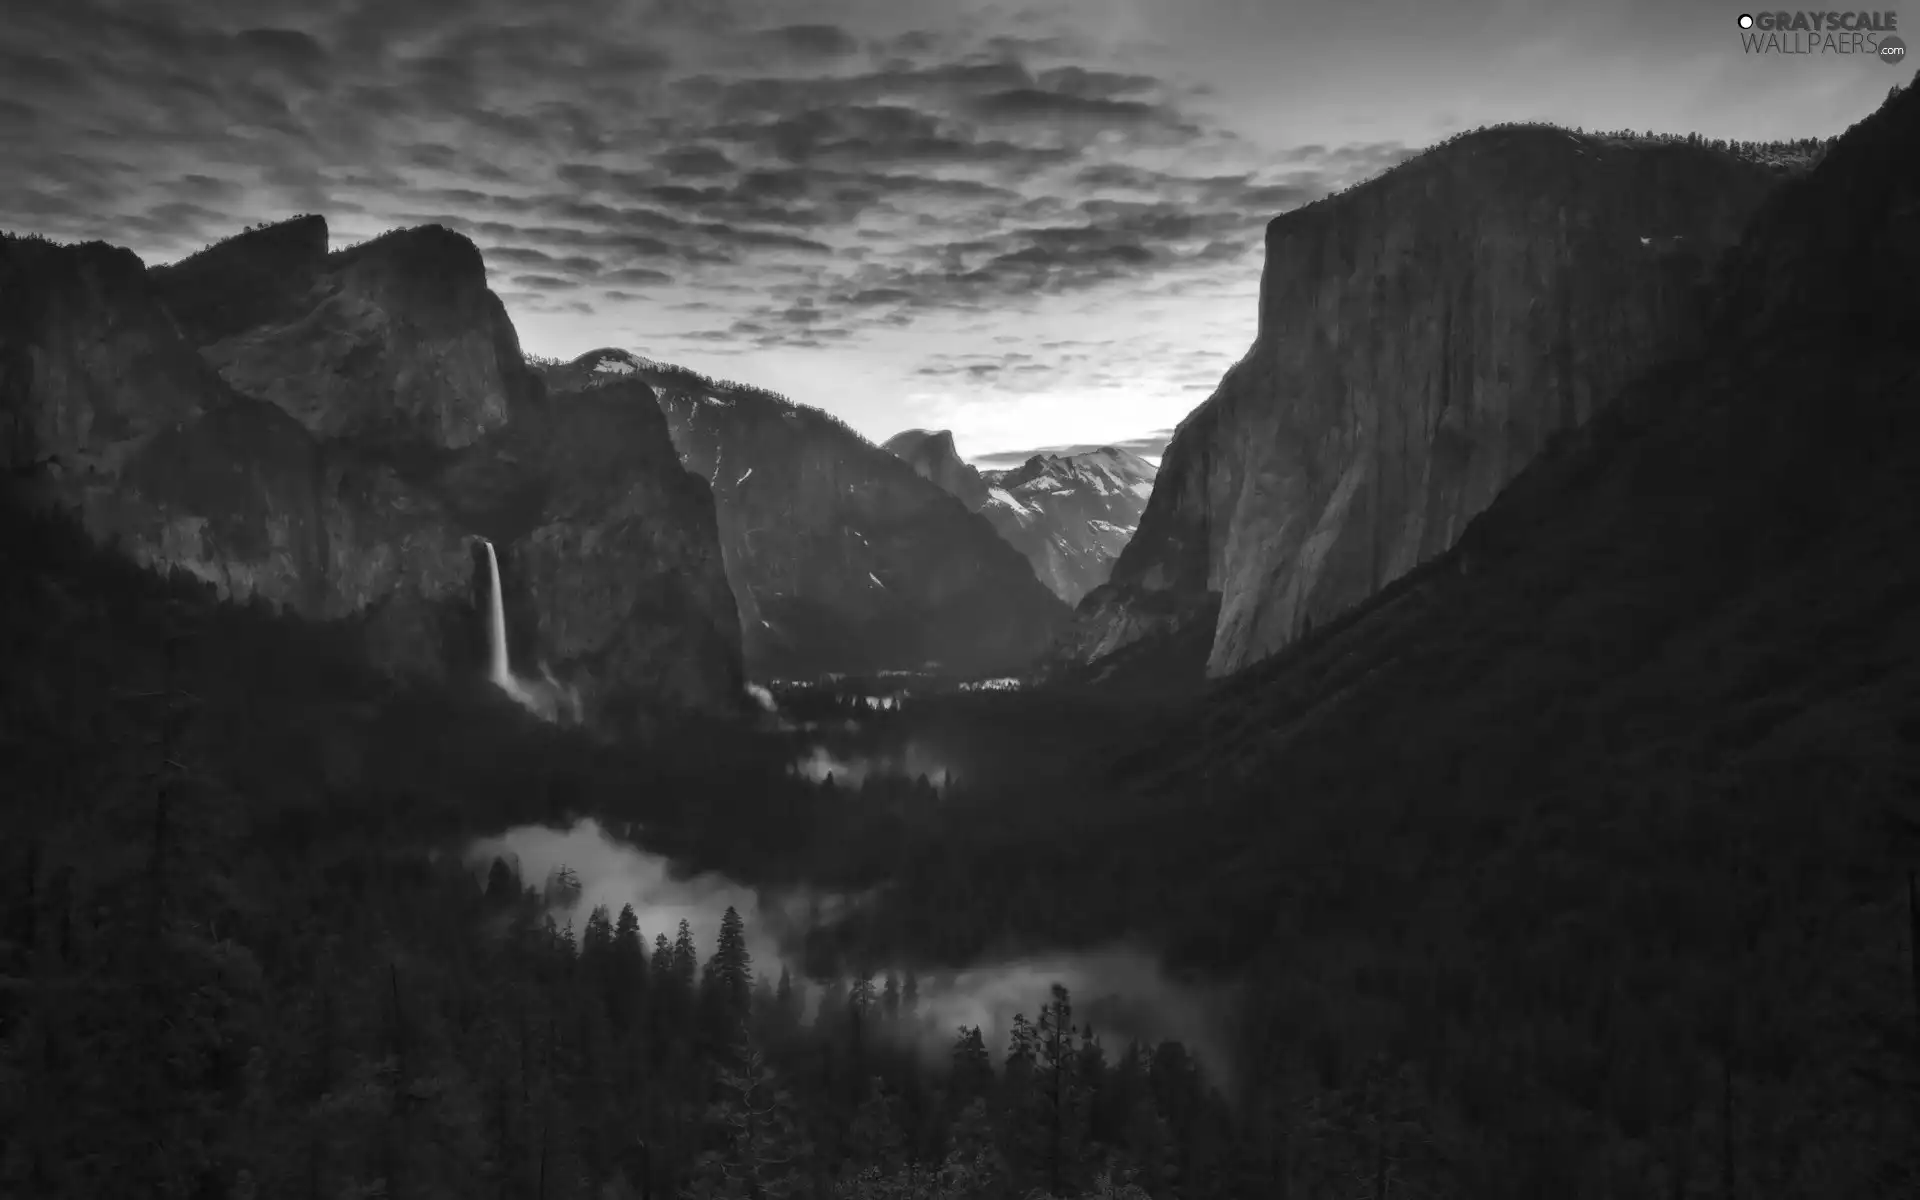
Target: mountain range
{"points": [[1070, 514]]}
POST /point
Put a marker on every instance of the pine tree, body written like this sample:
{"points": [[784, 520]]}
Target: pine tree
{"points": [[596, 944], [627, 970], [890, 1000], [766, 1151], [686, 960], [972, 1074], [1061, 1093], [733, 968], [503, 887], [877, 1135]]}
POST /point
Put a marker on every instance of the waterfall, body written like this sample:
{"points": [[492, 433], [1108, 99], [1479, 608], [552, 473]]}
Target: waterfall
{"points": [[545, 699], [497, 668]]}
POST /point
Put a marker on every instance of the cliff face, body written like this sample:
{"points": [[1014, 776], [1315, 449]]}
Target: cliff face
{"points": [[1071, 515], [625, 573], [842, 558], [396, 339], [1421, 338], [111, 409], [931, 454]]}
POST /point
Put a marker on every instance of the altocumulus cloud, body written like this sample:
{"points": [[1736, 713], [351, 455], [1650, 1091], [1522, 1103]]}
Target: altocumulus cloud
{"points": [[685, 168]]}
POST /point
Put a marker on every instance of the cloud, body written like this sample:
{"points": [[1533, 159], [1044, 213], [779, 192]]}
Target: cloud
{"points": [[717, 179], [634, 276], [693, 160], [813, 41]]}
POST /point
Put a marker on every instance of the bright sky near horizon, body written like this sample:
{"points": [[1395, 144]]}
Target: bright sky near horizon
{"points": [[1034, 224]]}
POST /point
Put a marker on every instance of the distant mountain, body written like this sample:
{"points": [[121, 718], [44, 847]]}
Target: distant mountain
{"points": [[1422, 337], [330, 432], [1071, 515], [931, 453], [841, 556]]}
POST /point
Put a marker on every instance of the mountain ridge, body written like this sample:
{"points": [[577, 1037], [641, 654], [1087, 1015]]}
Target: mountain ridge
{"points": [[876, 568]]}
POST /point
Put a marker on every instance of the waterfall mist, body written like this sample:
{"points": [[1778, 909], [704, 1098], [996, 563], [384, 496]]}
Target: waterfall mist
{"points": [[547, 698]]}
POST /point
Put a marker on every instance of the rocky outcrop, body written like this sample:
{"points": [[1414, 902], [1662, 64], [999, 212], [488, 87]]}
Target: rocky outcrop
{"points": [[842, 558], [624, 575], [1421, 338], [395, 340], [1071, 515], [931, 453], [309, 495]]}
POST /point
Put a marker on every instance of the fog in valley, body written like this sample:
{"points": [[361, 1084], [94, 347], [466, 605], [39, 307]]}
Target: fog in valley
{"points": [[1119, 990]]}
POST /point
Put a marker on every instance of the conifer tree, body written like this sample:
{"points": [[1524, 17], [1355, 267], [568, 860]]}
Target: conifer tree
{"points": [[627, 970], [733, 969], [685, 961], [766, 1151], [972, 1070]]}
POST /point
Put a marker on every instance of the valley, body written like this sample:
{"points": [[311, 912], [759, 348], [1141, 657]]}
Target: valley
{"points": [[1476, 760]]}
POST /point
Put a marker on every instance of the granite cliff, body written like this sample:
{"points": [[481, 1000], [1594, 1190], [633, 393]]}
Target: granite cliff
{"points": [[1421, 338], [842, 557], [931, 453], [329, 431]]}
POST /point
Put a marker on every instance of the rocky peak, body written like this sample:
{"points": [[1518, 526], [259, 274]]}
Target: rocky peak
{"points": [[397, 339], [428, 267], [1421, 336], [234, 284], [932, 455], [1070, 514], [595, 368]]}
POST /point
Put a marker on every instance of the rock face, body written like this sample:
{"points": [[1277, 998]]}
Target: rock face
{"points": [[930, 452], [625, 574], [1421, 338], [396, 339], [329, 432], [1071, 515], [842, 558]]}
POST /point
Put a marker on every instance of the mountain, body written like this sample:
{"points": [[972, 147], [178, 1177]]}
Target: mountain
{"points": [[842, 557], [1071, 515], [329, 432], [1422, 337], [931, 454]]}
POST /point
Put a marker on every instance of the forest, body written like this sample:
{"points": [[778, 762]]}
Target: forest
{"points": [[237, 958]]}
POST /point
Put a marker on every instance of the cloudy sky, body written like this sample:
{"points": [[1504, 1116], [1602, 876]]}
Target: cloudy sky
{"points": [[1035, 224]]}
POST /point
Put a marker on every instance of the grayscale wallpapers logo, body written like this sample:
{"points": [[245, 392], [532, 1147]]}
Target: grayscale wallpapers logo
{"points": [[1868, 34]]}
